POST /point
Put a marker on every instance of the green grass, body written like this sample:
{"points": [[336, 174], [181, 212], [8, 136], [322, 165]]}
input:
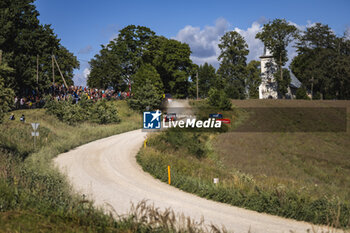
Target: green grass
{"points": [[304, 176]]}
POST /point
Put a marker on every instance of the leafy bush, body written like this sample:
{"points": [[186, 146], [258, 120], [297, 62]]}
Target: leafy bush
{"points": [[218, 98], [100, 112], [301, 93], [103, 113]]}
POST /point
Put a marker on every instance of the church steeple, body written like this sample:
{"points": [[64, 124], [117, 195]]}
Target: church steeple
{"points": [[268, 86], [267, 52]]}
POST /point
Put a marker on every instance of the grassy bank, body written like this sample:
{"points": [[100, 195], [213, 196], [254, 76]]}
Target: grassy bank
{"points": [[34, 197], [298, 175]]}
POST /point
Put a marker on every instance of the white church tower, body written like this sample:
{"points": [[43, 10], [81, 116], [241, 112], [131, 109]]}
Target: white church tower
{"points": [[268, 86]]}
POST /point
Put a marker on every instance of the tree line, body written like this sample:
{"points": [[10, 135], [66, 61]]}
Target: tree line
{"points": [[138, 51], [28, 47], [153, 65]]}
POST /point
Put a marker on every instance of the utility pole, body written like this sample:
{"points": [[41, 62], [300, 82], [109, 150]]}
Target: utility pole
{"points": [[37, 72], [312, 87], [60, 73], [197, 85], [53, 70]]}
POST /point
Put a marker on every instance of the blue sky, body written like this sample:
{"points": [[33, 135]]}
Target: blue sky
{"points": [[84, 25]]}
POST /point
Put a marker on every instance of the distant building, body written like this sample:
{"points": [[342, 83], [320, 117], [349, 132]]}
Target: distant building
{"points": [[268, 88]]}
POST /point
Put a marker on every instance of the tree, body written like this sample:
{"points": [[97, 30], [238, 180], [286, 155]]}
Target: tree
{"points": [[106, 69], [232, 69], [172, 60], [131, 43], [146, 97], [120, 59], [147, 72], [253, 79], [147, 90], [6, 94], [276, 36], [136, 45], [322, 64], [24, 39], [206, 79], [283, 82]]}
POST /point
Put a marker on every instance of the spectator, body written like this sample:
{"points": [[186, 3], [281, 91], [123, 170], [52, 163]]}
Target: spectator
{"points": [[23, 119], [16, 102], [12, 117], [22, 102]]}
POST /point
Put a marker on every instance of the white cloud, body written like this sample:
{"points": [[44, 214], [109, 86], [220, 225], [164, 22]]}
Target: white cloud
{"points": [[255, 46], [81, 77], [204, 42], [85, 50], [347, 33], [79, 80], [86, 72]]}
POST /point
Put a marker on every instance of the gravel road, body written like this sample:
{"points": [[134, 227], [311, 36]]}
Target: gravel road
{"points": [[106, 171]]}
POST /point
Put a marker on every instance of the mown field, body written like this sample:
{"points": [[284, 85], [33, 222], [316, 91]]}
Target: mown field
{"points": [[317, 162], [35, 197], [300, 175]]}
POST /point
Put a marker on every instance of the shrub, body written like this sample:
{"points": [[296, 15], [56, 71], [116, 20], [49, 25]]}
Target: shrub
{"points": [[104, 113], [218, 98], [100, 112], [301, 93], [176, 139]]}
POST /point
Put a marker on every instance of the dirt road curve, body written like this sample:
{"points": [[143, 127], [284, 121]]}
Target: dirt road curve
{"points": [[106, 171]]}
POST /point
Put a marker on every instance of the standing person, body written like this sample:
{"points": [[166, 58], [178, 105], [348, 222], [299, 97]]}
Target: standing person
{"points": [[21, 103], [16, 102]]}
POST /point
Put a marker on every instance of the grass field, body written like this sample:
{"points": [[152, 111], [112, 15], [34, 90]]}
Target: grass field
{"points": [[300, 175], [317, 162]]}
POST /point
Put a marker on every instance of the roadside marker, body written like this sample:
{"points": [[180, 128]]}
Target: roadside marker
{"points": [[35, 127], [145, 143], [169, 177]]}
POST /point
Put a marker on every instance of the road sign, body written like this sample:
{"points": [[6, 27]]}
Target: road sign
{"points": [[35, 134], [225, 121], [216, 115], [35, 126]]}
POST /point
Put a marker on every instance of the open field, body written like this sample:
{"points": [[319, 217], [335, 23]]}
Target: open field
{"points": [[300, 175], [317, 162]]}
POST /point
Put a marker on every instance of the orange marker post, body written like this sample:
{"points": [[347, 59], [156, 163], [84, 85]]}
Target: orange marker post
{"points": [[169, 176]]}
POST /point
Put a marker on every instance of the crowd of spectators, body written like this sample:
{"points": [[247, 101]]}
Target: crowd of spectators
{"points": [[61, 93]]}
